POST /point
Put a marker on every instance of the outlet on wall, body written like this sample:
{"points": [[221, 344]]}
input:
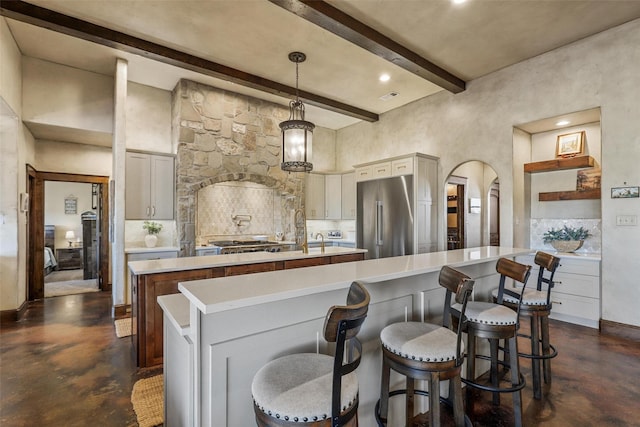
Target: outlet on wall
{"points": [[627, 220]]}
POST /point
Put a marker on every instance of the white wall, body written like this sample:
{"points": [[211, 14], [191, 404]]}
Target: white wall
{"points": [[148, 126], [74, 98], [68, 157], [477, 124], [55, 194], [16, 145]]}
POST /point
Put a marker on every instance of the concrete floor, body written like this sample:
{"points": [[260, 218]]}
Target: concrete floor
{"points": [[62, 365]]}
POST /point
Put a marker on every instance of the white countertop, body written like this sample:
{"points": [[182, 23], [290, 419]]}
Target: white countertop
{"points": [[587, 256], [176, 307], [156, 249], [198, 262], [226, 293]]}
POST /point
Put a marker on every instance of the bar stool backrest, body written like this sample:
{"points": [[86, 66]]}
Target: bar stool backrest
{"points": [[513, 270], [550, 263], [460, 286], [341, 325]]}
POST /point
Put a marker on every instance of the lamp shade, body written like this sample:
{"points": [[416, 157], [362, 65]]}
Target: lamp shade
{"points": [[70, 235], [297, 141]]}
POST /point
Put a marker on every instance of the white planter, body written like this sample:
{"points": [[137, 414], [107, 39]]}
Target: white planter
{"points": [[150, 240]]}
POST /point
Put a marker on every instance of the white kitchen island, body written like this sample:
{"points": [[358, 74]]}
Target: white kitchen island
{"points": [[237, 324]]}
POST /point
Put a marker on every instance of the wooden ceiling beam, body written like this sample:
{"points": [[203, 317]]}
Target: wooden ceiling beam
{"points": [[339, 23], [55, 21]]}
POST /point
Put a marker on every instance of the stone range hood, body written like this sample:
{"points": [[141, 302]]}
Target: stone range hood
{"points": [[224, 136]]}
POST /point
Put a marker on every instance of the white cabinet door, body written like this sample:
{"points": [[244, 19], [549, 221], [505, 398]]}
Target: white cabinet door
{"points": [[333, 196], [150, 188], [349, 196], [314, 196], [138, 182], [162, 187]]}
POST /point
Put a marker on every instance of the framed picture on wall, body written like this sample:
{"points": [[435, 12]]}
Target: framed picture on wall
{"points": [[570, 144], [625, 192], [70, 205]]}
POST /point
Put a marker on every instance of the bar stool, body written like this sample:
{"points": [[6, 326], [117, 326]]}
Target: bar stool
{"points": [[428, 352], [315, 389], [536, 305], [496, 322]]}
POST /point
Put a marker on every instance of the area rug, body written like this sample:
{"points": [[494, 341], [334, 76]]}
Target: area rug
{"points": [[147, 398], [70, 287], [123, 327]]}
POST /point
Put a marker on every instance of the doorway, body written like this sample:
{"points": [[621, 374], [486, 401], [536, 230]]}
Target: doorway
{"points": [[494, 214], [71, 249], [456, 213]]}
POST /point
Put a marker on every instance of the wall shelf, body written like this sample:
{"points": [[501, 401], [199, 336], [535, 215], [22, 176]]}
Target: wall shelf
{"points": [[560, 164], [569, 195]]}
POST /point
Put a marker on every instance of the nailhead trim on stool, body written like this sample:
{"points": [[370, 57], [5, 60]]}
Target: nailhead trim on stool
{"points": [[420, 341], [298, 387], [530, 297]]}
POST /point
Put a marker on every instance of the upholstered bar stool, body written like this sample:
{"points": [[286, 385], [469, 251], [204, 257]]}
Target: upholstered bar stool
{"points": [[318, 390], [496, 322], [536, 306], [423, 351]]}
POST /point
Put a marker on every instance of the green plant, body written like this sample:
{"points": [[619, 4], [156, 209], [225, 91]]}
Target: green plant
{"points": [[566, 233], [152, 227]]}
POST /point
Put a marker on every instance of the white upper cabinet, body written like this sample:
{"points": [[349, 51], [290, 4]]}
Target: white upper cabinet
{"points": [[150, 186], [349, 195], [323, 198], [314, 196], [333, 196]]}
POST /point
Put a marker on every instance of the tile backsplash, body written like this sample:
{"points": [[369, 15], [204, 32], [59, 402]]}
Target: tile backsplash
{"points": [[219, 204], [541, 226]]}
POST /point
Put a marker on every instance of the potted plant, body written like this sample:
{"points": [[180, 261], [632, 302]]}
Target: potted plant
{"points": [[153, 228], [566, 239]]}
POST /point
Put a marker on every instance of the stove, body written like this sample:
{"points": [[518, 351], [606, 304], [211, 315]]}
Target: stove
{"points": [[241, 246]]}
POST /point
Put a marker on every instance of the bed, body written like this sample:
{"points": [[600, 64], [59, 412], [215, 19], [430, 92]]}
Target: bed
{"points": [[50, 262]]}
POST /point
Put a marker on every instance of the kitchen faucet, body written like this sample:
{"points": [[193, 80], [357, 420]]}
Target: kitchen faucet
{"points": [[321, 241], [303, 226]]}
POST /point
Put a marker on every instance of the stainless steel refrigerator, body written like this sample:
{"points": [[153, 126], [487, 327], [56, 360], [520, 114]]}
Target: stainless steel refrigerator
{"points": [[385, 222]]}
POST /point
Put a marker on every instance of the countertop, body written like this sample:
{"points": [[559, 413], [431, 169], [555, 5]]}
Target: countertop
{"points": [[226, 293], [587, 256], [198, 262], [156, 249]]}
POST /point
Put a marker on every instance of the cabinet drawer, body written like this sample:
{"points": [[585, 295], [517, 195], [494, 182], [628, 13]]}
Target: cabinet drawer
{"points": [[364, 173], [146, 256], [402, 167], [235, 270], [381, 170], [573, 305], [577, 266], [577, 284]]}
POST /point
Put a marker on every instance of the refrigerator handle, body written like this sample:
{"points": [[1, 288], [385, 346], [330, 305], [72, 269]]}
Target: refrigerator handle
{"points": [[379, 222]]}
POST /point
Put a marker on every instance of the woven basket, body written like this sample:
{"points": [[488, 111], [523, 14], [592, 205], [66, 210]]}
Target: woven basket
{"points": [[567, 245]]}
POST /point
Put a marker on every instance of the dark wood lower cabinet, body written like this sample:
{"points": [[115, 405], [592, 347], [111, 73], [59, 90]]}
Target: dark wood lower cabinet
{"points": [[147, 316]]}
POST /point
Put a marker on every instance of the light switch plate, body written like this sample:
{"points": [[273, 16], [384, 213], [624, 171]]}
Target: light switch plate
{"points": [[626, 220]]}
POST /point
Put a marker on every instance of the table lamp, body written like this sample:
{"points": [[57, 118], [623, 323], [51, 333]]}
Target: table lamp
{"points": [[70, 236]]}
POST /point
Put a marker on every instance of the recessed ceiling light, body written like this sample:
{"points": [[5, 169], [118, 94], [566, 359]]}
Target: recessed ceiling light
{"points": [[384, 77], [563, 123], [458, 1]]}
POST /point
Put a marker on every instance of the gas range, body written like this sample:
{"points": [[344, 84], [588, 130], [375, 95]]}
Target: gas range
{"points": [[242, 246]]}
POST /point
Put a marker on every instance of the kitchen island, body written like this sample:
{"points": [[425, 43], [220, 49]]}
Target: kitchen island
{"points": [[152, 278], [237, 324]]}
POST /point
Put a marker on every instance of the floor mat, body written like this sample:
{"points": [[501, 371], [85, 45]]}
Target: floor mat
{"points": [[147, 398]]}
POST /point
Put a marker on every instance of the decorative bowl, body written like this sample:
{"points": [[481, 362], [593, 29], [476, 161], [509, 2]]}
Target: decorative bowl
{"points": [[567, 245]]}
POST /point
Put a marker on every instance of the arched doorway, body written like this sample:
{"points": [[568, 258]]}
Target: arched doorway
{"points": [[472, 206]]}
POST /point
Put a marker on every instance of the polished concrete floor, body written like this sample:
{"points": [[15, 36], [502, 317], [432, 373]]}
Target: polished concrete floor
{"points": [[62, 365]]}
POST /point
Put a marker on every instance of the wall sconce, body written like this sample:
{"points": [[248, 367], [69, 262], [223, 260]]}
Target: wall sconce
{"points": [[70, 236], [474, 205]]}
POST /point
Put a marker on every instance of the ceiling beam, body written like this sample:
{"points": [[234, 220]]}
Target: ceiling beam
{"points": [[339, 23], [51, 20]]}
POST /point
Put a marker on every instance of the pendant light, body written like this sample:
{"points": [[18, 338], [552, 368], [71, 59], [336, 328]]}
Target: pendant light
{"points": [[297, 133]]}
